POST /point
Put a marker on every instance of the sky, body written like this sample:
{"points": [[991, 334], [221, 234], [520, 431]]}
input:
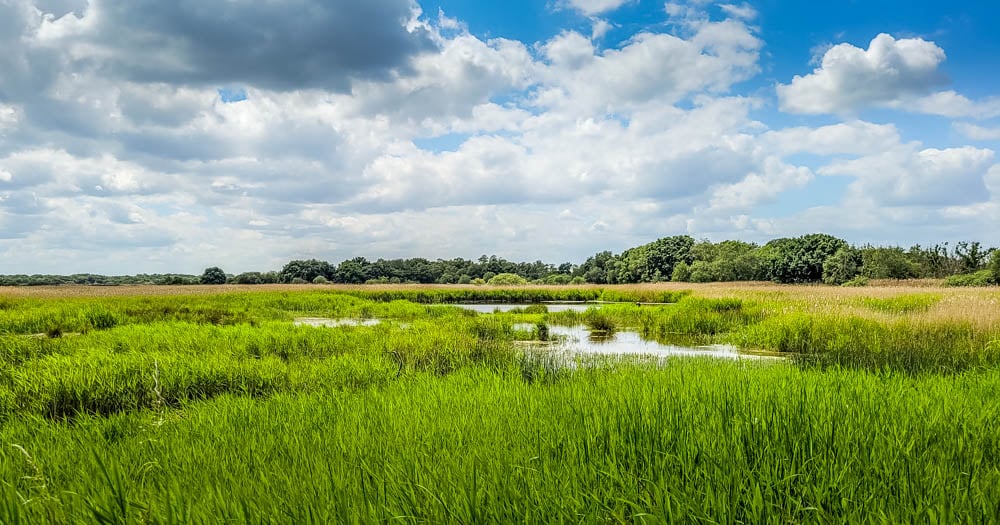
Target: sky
{"points": [[143, 136]]}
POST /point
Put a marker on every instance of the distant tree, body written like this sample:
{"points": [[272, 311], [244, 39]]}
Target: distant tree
{"points": [[654, 261], [701, 272], [970, 255], [841, 267], [353, 271], [306, 270], [933, 261], [994, 266], [887, 263], [247, 278], [800, 259], [598, 268], [213, 275]]}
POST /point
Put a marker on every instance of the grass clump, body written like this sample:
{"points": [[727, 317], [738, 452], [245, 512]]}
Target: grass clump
{"points": [[598, 321]]}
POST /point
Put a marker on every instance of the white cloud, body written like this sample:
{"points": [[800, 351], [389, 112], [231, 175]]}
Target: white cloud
{"points": [[975, 132], [908, 176], [9, 115], [547, 150], [900, 74], [599, 28], [852, 138], [742, 11], [850, 78], [951, 104], [759, 188], [660, 68], [594, 7]]}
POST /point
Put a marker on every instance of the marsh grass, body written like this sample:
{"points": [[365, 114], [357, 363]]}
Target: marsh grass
{"points": [[217, 408], [697, 441]]}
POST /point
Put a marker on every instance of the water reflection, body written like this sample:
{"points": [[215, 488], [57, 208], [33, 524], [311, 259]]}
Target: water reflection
{"points": [[489, 308], [579, 340]]}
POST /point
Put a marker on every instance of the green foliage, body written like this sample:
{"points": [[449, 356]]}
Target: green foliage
{"points": [[971, 256], [994, 266], [841, 267], [857, 281], [980, 278], [507, 279], [800, 260], [653, 262], [681, 273], [306, 270], [257, 278], [599, 268], [887, 263], [213, 275]]}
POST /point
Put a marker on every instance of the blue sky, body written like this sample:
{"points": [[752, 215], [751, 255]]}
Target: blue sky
{"points": [[146, 136]]}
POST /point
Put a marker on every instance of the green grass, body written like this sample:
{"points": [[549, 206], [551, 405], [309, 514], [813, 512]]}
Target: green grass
{"points": [[696, 441], [902, 304], [216, 408]]}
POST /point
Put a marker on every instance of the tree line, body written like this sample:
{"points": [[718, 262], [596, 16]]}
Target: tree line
{"points": [[812, 258]]}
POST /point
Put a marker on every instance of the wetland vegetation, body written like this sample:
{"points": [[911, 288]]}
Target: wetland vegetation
{"points": [[167, 405]]}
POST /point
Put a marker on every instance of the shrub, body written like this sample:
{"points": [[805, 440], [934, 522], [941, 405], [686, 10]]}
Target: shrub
{"points": [[994, 266], [980, 278], [507, 279], [320, 280], [858, 280], [681, 273]]}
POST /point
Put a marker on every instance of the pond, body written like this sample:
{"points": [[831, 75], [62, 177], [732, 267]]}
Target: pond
{"points": [[581, 341], [489, 308]]}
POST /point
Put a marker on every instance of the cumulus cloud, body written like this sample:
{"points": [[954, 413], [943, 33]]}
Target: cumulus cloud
{"points": [[850, 78], [651, 67], [919, 177], [120, 151], [282, 46], [852, 138], [901, 74]]}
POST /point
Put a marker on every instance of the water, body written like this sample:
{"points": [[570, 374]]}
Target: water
{"points": [[489, 308], [581, 341]]}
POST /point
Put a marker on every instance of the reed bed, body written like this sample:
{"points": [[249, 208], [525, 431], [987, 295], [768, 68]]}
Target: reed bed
{"points": [[690, 442], [216, 407]]}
